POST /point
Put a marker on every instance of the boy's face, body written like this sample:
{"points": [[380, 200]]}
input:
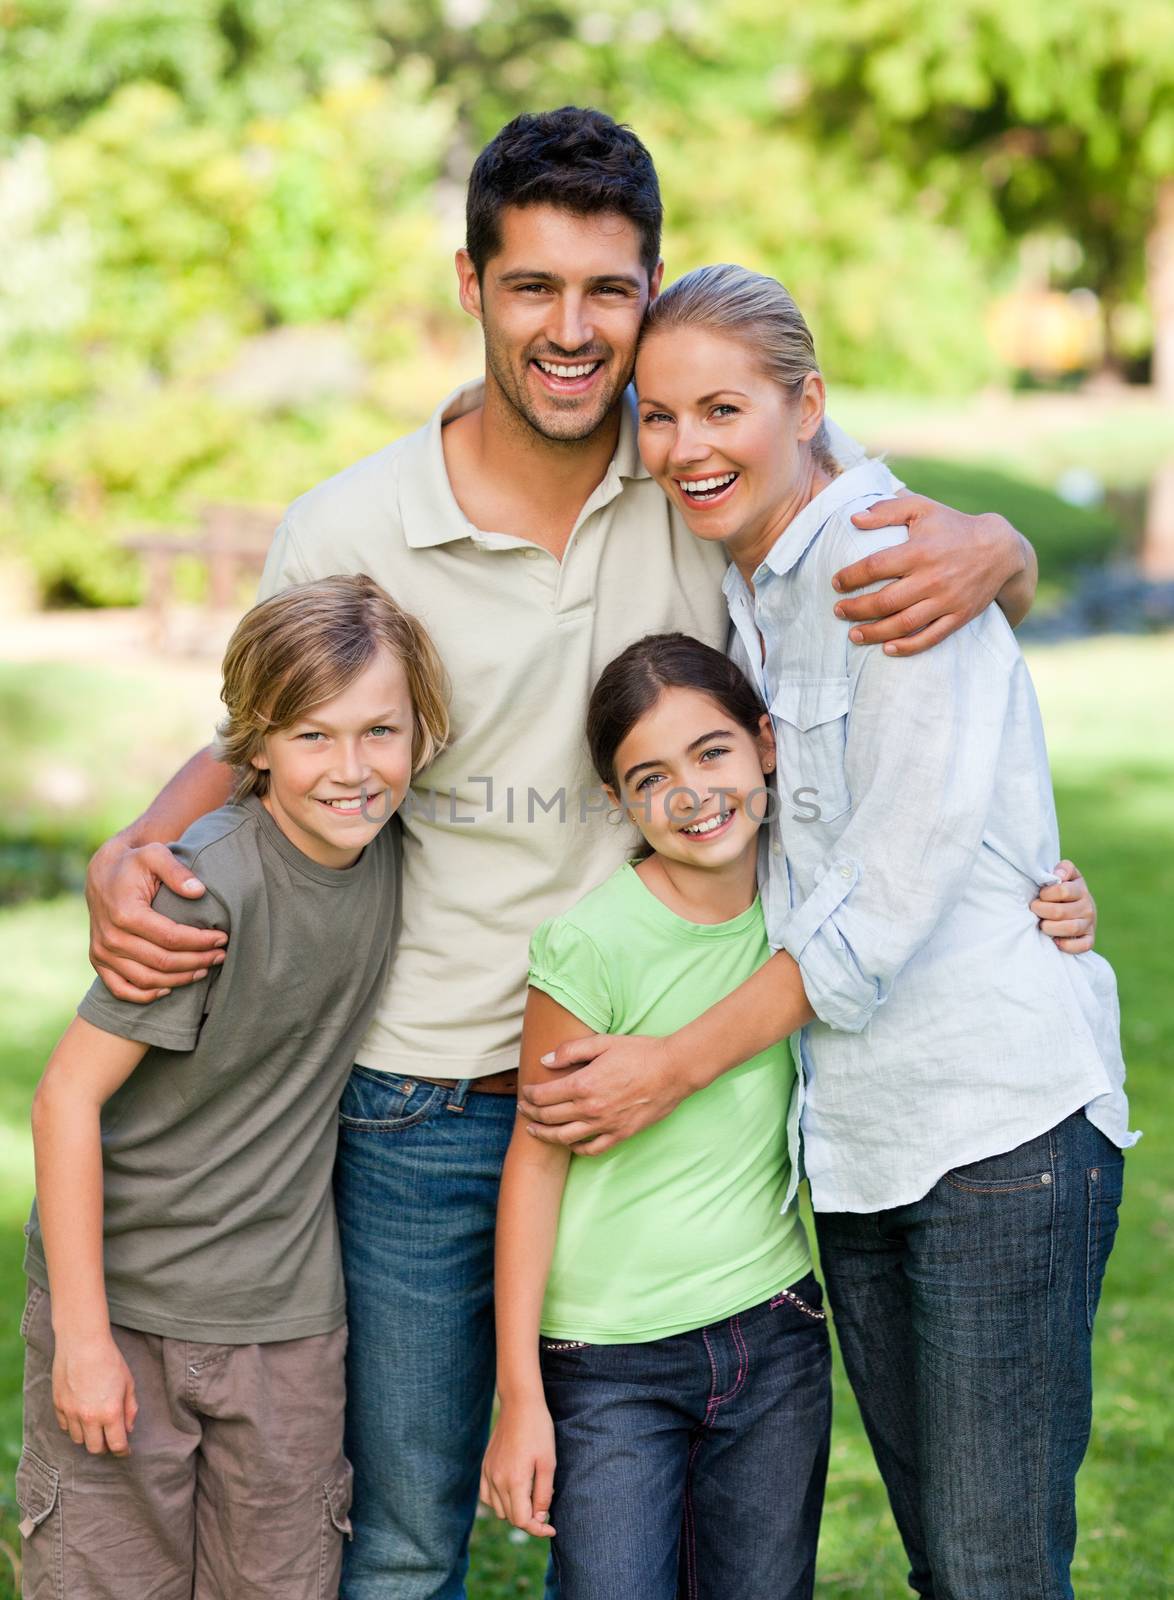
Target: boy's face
{"points": [[561, 305], [337, 774]]}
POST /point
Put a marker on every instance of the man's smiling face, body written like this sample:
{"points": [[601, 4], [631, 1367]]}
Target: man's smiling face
{"points": [[561, 305]]}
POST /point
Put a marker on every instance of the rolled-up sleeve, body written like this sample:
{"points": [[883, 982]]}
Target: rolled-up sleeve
{"points": [[922, 751]]}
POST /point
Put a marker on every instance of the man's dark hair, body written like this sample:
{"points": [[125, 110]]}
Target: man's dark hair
{"points": [[577, 159]]}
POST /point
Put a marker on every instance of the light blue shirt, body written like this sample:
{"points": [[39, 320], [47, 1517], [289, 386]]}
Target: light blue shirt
{"points": [[916, 823]]}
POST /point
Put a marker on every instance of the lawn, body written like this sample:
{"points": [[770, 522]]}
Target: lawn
{"points": [[1105, 701]]}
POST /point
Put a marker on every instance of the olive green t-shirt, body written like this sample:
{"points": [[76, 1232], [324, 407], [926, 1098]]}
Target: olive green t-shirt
{"points": [[217, 1151], [692, 1219]]}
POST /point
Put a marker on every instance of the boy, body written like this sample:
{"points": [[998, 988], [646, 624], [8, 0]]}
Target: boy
{"points": [[185, 1323]]}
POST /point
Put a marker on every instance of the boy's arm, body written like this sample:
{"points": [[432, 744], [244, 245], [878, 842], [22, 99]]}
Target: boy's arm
{"points": [[517, 1479], [139, 954], [93, 1391]]}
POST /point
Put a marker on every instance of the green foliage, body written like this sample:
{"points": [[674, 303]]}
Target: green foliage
{"points": [[178, 176]]}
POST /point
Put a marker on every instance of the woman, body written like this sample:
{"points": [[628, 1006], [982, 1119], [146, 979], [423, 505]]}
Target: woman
{"points": [[964, 1114]]}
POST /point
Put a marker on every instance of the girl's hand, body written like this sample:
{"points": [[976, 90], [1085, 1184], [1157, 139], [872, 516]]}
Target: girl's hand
{"points": [[517, 1477], [94, 1394], [1066, 910]]}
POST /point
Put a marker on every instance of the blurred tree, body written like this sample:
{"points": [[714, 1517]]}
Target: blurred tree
{"points": [[1021, 113]]}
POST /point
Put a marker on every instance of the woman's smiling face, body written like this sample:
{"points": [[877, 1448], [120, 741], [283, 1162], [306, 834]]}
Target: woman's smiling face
{"points": [[723, 440]]}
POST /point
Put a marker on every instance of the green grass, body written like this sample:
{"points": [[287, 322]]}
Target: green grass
{"points": [[1104, 701]]}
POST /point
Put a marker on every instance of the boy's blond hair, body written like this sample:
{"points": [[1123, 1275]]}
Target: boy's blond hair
{"points": [[306, 645]]}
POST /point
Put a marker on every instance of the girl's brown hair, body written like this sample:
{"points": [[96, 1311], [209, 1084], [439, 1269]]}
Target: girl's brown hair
{"points": [[631, 684], [306, 645]]}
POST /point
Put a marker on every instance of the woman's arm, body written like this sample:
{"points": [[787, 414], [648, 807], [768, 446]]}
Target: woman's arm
{"points": [[517, 1479], [93, 1391]]}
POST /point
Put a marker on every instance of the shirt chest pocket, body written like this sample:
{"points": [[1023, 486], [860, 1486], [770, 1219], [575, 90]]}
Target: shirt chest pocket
{"points": [[810, 718]]}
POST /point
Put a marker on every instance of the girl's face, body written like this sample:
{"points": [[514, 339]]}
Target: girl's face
{"points": [[726, 443], [338, 773], [692, 779]]}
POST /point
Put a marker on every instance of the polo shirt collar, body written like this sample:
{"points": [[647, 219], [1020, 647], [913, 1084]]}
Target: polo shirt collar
{"points": [[428, 508]]}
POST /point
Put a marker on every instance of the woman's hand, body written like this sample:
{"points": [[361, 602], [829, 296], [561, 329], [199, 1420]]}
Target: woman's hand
{"points": [[952, 567], [517, 1476], [621, 1084], [1067, 911], [94, 1394]]}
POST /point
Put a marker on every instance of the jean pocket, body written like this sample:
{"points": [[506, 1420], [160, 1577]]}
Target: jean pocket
{"points": [[384, 1102], [1104, 1185], [811, 731], [1025, 1168], [806, 1297]]}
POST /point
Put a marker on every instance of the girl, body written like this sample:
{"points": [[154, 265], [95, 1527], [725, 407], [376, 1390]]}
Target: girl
{"points": [[964, 1112], [682, 1375]]}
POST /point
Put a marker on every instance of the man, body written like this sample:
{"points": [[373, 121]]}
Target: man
{"points": [[561, 259]]}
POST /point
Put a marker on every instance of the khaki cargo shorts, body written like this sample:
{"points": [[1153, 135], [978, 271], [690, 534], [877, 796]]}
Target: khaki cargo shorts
{"points": [[236, 1487]]}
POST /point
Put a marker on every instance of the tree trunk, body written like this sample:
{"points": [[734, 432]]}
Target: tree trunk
{"points": [[1161, 290]]}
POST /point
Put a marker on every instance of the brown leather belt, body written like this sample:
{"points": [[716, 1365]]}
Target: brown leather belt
{"points": [[493, 1083]]}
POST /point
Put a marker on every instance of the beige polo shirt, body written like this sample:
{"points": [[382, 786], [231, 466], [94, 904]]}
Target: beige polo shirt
{"points": [[507, 827]]}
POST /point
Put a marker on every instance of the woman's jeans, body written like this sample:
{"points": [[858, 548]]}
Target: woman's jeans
{"points": [[416, 1189], [693, 1466], [965, 1322]]}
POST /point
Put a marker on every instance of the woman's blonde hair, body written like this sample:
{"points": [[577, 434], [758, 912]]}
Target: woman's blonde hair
{"points": [[306, 645], [757, 311]]}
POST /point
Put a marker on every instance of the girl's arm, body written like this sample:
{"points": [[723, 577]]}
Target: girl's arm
{"points": [[93, 1391], [517, 1479]]}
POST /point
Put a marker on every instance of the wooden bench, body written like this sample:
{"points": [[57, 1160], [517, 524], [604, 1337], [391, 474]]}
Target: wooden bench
{"points": [[230, 540]]}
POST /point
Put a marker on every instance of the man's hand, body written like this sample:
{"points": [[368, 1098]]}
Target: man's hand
{"points": [[94, 1394], [630, 1083], [517, 1478], [1067, 911], [139, 954], [951, 568]]}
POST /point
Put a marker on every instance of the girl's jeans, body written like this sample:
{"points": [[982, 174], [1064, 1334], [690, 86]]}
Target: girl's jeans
{"points": [[693, 1466], [965, 1323]]}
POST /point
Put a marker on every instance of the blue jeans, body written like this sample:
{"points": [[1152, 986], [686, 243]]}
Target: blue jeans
{"points": [[965, 1322], [693, 1466], [416, 1188]]}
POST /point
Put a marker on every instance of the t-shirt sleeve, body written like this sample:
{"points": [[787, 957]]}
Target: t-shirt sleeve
{"points": [[566, 964], [174, 1022]]}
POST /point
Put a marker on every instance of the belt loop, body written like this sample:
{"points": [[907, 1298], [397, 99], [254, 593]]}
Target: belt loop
{"points": [[459, 1096]]}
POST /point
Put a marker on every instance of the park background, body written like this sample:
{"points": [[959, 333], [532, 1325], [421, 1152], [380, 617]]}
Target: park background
{"points": [[226, 230]]}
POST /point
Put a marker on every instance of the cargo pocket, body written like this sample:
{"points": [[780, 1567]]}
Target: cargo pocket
{"points": [[336, 1526], [811, 730], [37, 1487]]}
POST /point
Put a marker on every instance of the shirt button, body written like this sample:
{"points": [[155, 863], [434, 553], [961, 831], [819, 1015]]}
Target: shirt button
{"points": [[531, 555], [845, 872], [776, 849]]}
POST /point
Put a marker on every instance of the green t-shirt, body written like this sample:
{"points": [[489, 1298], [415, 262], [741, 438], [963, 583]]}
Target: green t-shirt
{"points": [[692, 1219]]}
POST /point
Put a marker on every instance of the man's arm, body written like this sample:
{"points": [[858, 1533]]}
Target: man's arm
{"points": [[138, 954], [952, 567], [93, 1391]]}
